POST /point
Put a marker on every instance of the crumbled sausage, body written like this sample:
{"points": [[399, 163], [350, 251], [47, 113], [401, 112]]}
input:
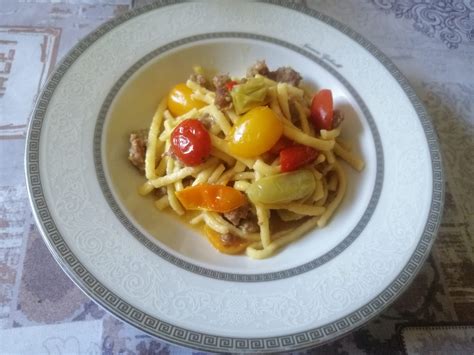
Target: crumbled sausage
{"points": [[286, 75], [228, 239], [236, 215], [220, 80], [199, 79], [258, 68], [137, 150], [188, 181], [282, 74], [294, 113], [337, 118], [223, 99], [160, 192], [250, 225], [243, 218]]}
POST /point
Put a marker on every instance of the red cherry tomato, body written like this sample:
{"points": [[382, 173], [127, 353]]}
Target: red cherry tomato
{"points": [[322, 110], [191, 142], [294, 157], [229, 85]]}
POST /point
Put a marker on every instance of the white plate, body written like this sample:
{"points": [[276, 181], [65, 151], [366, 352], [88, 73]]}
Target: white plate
{"points": [[160, 276]]}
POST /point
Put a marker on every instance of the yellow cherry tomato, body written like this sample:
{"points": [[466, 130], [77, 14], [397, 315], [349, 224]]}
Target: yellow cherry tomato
{"points": [[235, 245], [255, 132], [180, 101]]}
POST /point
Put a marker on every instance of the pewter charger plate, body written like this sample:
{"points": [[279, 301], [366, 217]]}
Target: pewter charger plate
{"points": [[162, 277]]}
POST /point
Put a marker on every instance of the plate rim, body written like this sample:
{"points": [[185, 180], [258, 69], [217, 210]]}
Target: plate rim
{"points": [[201, 340]]}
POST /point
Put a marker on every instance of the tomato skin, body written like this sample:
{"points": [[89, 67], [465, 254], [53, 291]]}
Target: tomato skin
{"points": [[294, 157], [190, 142], [322, 110], [282, 143], [255, 132], [237, 245], [208, 197], [180, 101]]}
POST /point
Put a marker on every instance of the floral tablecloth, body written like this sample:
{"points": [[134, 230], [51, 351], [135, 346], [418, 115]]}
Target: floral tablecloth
{"points": [[431, 41]]}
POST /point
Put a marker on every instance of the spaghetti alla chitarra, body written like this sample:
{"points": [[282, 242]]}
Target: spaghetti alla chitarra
{"points": [[256, 160]]}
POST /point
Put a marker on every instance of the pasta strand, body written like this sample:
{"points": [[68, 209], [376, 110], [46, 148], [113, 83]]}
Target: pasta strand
{"points": [[352, 159], [150, 155], [302, 138], [291, 236], [341, 190]]}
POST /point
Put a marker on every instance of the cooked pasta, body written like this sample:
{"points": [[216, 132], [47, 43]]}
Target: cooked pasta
{"points": [[243, 153]]}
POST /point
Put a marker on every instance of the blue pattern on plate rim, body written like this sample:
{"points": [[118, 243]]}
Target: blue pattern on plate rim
{"points": [[450, 20]]}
